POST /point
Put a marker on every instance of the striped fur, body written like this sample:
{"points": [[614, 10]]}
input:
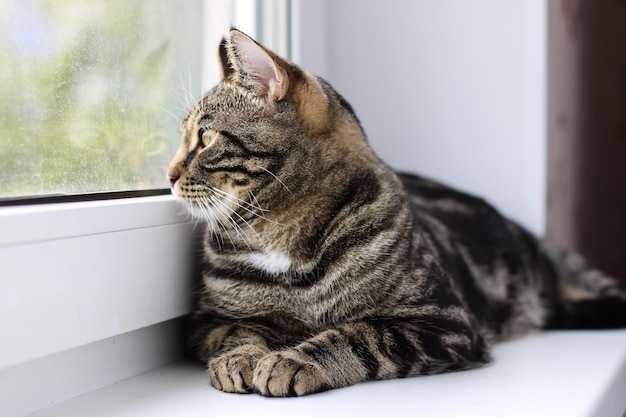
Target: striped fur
{"points": [[324, 268]]}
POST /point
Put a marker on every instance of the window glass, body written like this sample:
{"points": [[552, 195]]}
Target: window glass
{"points": [[92, 91]]}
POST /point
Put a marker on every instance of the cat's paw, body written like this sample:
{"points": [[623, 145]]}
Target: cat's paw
{"points": [[285, 374], [233, 370]]}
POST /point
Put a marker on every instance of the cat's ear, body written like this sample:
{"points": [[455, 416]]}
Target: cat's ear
{"points": [[265, 72], [227, 69]]}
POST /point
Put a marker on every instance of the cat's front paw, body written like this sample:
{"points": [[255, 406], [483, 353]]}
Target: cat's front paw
{"points": [[284, 374], [233, 370]]}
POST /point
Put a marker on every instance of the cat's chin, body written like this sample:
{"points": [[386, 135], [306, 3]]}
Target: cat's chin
{"points": [[191, 207], [200, 213], [194, 209]]}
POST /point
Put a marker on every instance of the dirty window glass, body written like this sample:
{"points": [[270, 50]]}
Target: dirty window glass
{"points": [[91, 92]]}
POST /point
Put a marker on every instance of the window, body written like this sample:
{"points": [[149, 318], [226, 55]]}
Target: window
{"points": [[91, 291], [93, 91]]}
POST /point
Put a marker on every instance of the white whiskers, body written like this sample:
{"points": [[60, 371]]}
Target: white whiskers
{"points": [[276, 178], [223, 211]]}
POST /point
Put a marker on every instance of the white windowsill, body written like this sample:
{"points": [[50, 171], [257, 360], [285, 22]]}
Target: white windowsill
{"points": [[578, 373], [90, 294]]}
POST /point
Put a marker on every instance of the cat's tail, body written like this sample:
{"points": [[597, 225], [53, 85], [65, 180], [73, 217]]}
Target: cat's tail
{"points": [[586, 298]]}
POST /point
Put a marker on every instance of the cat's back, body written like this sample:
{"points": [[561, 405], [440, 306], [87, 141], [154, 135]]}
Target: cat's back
{"points": [[466, 217], [494, 262], [462, 227]]}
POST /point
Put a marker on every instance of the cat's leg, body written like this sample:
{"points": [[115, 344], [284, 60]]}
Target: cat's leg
{"points": [[362, 351], [230, 351], [238, 352]]}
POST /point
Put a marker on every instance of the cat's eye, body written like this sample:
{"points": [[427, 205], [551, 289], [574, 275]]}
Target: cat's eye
{"points": [[206, 136]]}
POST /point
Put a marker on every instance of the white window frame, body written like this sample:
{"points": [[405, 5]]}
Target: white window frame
{"points": [[94, 292]]}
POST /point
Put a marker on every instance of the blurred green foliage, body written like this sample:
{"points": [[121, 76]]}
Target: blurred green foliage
{"points": [[88, 92]]}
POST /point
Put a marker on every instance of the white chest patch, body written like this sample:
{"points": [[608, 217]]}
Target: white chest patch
{"points": [[271, 262]]}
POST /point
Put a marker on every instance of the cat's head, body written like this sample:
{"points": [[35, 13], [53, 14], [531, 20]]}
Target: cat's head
{"points": [[266, 133]]}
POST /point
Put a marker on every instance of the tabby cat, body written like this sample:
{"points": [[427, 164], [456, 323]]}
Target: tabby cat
{"points": [[324, 268]]}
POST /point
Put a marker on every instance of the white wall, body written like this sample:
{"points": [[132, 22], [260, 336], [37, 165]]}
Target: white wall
{"points": [[451, 89]]}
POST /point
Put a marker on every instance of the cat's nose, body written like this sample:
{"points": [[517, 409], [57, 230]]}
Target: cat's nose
{"points": [[172, 178]]}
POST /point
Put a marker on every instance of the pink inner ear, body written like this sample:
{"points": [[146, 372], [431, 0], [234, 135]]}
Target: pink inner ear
{"points": [[259, 65], [280, 89]]}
